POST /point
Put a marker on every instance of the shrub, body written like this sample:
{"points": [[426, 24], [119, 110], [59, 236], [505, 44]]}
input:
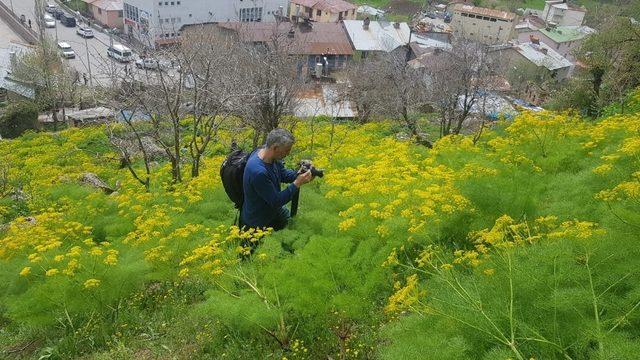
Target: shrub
{"points": [[18, 118]]}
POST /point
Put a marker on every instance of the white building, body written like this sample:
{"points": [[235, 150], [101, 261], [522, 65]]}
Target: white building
{"points": [[155, 22], [561, 13], [487, 26]]}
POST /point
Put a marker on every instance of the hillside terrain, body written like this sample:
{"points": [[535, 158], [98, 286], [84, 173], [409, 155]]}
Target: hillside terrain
{"points": [[520, 245]]}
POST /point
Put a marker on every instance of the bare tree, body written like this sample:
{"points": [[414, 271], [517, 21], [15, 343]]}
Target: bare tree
{"points": [[272, 72], [187, 92], [214, 64], [400, 90], [362, 88], [458, 78]]}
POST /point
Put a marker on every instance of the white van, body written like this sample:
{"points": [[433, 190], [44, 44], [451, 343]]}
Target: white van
{"points": [[120, 53]]}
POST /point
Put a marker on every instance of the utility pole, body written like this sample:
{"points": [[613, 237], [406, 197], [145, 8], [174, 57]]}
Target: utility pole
{"points": [[86, 47], [11, 2]]}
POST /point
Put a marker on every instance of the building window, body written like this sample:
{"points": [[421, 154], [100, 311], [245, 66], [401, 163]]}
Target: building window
{"points": [[251, 14], [119, 13], [172, 3], [190, 15], [99, 11], [177, 2], [131, 12], [319, 13]]}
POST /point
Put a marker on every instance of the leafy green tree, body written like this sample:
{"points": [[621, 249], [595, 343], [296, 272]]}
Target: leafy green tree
{"points": [[612, 58], [18, 118]]}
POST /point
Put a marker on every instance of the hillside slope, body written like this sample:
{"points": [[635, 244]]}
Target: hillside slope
{"points": [[523, 245]]}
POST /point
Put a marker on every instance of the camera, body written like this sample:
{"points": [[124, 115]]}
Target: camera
{"points": [[305, 165]]}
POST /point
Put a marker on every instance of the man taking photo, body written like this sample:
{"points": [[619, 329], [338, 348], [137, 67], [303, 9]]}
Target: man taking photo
{"points": [[264, 200]]}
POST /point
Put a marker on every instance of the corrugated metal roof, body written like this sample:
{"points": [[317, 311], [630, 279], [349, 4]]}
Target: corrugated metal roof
{"points": [[313, 39], [484, 11], [380, 36], [567, 33], [551, 60], [6, 82]]}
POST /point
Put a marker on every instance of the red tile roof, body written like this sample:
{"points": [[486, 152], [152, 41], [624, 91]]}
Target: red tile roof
{"points": [[319, 38]]}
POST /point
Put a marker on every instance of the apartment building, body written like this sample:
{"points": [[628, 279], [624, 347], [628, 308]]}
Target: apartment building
{"points": [[158, 22], [487, 26], [561, 13], [321, 10]]}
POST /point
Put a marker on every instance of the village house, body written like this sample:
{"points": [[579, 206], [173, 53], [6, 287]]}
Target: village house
{"points": [[487, 26], [541, 55], [376, 36], [12, 88], [564, 39], [562, 13], [107, 13], [321, 10], [318, 44]]}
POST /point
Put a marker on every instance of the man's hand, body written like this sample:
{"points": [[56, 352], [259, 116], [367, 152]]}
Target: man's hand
{"points": [[303, 178]]}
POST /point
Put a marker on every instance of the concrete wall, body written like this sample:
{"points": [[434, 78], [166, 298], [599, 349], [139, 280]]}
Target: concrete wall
{"points": [[109, 18], [13, 21], [486, 32]]}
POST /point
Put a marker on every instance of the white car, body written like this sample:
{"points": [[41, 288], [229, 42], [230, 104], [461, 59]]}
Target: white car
{"points": [[148, 63], [85, 32], [49, 21], [50, 8], [66, 51]]}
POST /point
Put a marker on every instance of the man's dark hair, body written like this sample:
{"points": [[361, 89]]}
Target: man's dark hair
{"points": [[279, 137]]}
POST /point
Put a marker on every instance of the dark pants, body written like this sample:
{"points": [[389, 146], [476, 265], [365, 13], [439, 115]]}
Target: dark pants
{"points": [[279, 222]]}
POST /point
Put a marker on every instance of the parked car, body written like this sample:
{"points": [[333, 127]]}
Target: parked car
{"points": [[68, 20], [66, 51], [120, 53], [85, 32], [148, 63], [57, 13], [447, 17], [50, 8], [49, 21]]}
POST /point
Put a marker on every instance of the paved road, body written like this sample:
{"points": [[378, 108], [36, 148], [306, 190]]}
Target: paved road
{"points": [[96, 48]]}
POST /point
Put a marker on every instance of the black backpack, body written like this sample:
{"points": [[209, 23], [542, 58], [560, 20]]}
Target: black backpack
{"points": [[231, 172]]}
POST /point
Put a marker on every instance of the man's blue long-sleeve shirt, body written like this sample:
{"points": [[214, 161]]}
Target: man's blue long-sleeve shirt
{"points": [[262, 195]]}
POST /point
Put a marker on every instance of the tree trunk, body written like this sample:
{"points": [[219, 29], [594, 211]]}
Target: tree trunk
{"points": [[195, 168]]}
